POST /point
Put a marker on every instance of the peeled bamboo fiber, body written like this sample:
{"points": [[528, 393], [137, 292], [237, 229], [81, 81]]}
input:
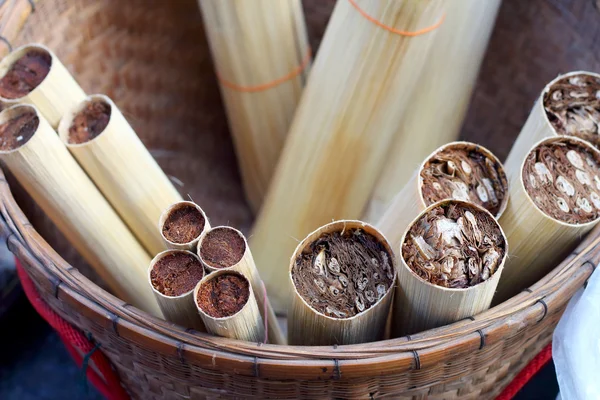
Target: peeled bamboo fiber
{"points": [[539, 126], [123, 169], [439, 103], [55, 95], [44, 167], [309, 326], [246, 324], [193, 241], [181, 308], [420, 304], [410, 202], [360, 83], [538, 240], [261, 54], [230, 243]]}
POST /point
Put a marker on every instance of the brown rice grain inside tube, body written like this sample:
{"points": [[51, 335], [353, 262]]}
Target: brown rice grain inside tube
{"points": [[25, 74], [222, 248], [572, 105], [17, 131], [89, 122], [182, 224], [454, 245], [224, 295], [467, 172], [562, 178], [176, 273]]}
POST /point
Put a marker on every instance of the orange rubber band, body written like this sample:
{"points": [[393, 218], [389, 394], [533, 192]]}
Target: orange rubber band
{"points": [[268, 85], [394, 30]]}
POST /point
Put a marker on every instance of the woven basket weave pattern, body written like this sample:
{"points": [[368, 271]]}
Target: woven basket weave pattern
{"points": [[152, 58]]}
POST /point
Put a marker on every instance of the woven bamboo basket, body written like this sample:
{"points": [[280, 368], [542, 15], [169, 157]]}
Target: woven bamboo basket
{"points": [[152, 58]]}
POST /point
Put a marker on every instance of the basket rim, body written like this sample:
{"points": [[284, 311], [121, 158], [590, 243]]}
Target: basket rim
{"points": [[53, 274]]}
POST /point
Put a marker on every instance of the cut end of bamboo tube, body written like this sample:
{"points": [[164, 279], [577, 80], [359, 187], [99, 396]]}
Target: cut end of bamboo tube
{"points": [[343, 269], [23, 70], [86, 121], [561, 176], [182, 224], [221, 247], [467, 172], [223, 295], [572, 105], [18, 124], [175, 273], [455, 245]]}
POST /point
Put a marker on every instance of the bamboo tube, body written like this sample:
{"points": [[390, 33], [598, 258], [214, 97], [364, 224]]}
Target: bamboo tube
{"points": [[108, 149], [439, 104], [226, 248], [568, 105], [261, 54], [335, 255], [360, 83], [40, 79], [173, 276], [540, 235], [182, 224], [35, 155], [458, 170], [451, 259], [226, 303]]}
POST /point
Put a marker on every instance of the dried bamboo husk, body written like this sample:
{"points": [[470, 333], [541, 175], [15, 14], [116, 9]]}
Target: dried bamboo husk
{"points": [[237, 257], [438, 106], [261, 54], [539, 240], [309, 326], [410, 201], [360, 83], [123, 169], [539, 126], [246, 324], [421, 304], [188, 244], [180, 308], [52, 177], [56, 94]]}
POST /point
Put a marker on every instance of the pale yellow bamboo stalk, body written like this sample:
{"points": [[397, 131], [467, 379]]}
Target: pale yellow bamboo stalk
{"points": [[360, 83], [44, 167], [439, 103], [307, 326], [56, 94], [178, 309], [247, 267], [409, 202], [538, 241], [420, 305], [190, 245], [125, 171], [246, 324], [537, 126], [254, 43]]}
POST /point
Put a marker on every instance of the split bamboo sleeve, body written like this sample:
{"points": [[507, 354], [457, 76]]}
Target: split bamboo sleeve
{"points": [[262, 57], [360, 83], [44, 167]]}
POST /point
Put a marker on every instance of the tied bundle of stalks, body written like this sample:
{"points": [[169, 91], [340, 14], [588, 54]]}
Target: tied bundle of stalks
{"points": [[439, 104], [570, 106], [555, 200], [459, 170], [342, 274], [344, 125], [452, 257], [261, 54], [32, 74], [226, 303], [35, 155], [173, 275], [225, 248], [182, 224], [109, 150]]}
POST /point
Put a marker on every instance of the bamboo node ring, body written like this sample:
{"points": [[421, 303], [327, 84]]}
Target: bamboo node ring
{"points": [[259, 88], [394, 30]]}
